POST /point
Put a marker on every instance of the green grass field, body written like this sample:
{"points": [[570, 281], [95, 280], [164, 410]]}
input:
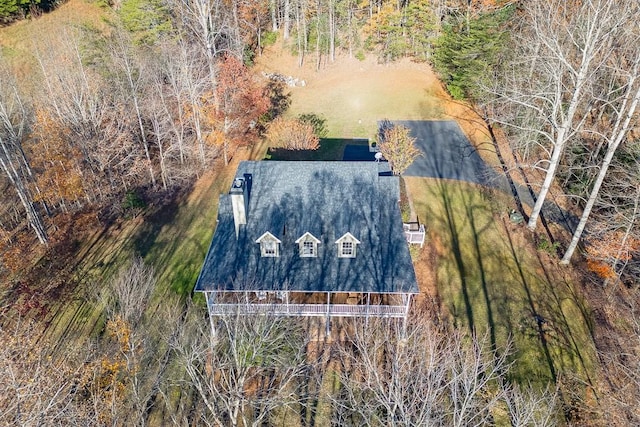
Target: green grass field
{"points": [[492, 280]]}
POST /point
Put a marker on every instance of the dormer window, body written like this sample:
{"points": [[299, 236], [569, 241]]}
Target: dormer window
{"points": [[308, 245], [269, 245], [347, 246], [270, 248], [308, 249], [347, 250]]}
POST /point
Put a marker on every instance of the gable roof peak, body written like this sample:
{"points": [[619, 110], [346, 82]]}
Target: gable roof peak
{"points": [[307, 236], [349, 237], [267, 236]]}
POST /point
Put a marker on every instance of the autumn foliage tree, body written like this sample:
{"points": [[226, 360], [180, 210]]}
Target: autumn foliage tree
{"points": [[240, 101], [398, 147], [56, 162], [127, 375], [292, 134], [608, 254]]}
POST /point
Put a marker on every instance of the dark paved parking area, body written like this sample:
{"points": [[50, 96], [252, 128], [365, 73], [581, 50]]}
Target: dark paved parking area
{"points": [[448, 154]]}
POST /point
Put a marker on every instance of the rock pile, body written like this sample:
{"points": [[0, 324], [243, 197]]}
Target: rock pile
{"points": [[288, 80]]}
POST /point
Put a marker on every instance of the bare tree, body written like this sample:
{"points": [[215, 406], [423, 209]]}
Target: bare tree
{"points": [[128, 293], [126, 379], [35, 388], [248, 370], [528, 407], [131, 68], [13, 124], [182, 85], [419, 376], [560, 47], [612, 243], [214, 25], [623, 74]]}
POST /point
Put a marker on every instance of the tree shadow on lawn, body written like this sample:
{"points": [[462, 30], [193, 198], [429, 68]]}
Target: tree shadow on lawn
{"points": [[493, 283], [155, 236], [105, 253], [331, 149]]}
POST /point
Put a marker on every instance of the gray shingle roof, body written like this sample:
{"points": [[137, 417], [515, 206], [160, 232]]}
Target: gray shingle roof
{"points": [[326, 199]]}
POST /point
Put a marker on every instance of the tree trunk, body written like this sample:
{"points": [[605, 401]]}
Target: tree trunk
{"points": [[33, 217], [562, 136], [287, 19], [618, 137], [332, 30], [318, 35], [273, 5]]}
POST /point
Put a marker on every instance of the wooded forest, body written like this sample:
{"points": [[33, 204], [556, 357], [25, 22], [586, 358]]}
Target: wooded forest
{"points": [[107, 119]]}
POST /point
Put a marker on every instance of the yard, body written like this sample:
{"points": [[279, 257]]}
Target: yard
{"points": [[491, 279], [485, 272]]}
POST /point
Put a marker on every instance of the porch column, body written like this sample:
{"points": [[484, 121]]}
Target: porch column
{"points": [[407, 298], [286, 301], [210, 297], [328, 326], [366, 317]]}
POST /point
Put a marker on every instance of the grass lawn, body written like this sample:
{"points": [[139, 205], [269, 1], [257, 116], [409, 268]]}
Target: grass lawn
{"points": [[354, 95], [492, 280], [17, 41], [173, 239]]}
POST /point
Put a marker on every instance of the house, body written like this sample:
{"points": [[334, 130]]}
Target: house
{"points": [[310, 239]]}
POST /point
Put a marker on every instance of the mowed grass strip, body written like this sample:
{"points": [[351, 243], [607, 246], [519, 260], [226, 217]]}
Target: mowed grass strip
{"points": [[178, 248], [492, 280]]}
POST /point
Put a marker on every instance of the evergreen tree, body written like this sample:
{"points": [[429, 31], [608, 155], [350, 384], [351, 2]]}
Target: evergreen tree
{"points": [[146, 19], [10, 9], [467, 51]]}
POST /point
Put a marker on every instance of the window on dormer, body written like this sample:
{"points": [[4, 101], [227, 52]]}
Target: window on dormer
{"points": [[269, 245], [269, 248], [308, 245], [347, 249], [308, 249], [347, 246]]}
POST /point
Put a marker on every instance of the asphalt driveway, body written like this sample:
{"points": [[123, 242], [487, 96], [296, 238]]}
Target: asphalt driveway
{"points": [[448, 154]]}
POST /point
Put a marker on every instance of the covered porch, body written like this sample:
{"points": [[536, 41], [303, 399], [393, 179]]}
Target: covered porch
{"points": [[310, 304]]}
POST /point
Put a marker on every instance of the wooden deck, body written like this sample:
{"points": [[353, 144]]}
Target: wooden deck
{"points": [[332, 310], [414, 233]]}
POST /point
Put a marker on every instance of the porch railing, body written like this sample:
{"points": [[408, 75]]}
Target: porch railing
{"points": [[333, 310], [414, 233]]}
